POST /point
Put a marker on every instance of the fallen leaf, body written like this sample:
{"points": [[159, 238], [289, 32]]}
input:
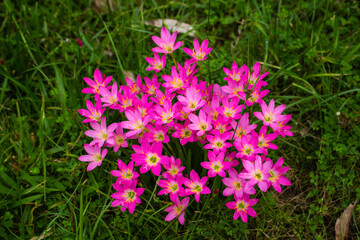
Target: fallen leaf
{"points": [[130, 75], [101, 6], [342, 224], [173, 25]]}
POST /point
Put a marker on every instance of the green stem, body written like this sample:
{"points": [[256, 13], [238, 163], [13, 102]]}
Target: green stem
{"points": [[172, 56], [201, 78]]}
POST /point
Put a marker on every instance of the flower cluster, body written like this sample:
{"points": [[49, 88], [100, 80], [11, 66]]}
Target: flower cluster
{"points": [[181, 107]]}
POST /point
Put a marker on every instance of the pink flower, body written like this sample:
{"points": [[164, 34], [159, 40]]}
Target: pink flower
{"points": [[136, 122], [183, 132], [125, 100], [264, 141], [166, 43], [192, 100], [256, 96], [236, 185], [218, 141], [235, 89], [99, 81], [80, 43], [148, 157], [284, 130], [176, 81], [109, 98], [119, 139], [101, 133], [95, 156], [172, 185], [216, 164], [276, 174], [257, 172], [235, 73], [126, 174], [243, 128], [93, 114], [166, 113], [230, 157], [127, 196], [196, 185], [150, 87], [134, 86], [199, 52], [254, 77], [201, 123], [247, 147], [156, 63], [243, 207], [157, 134], [271, 115], [232, 109], [172, 166], [177, 210]]}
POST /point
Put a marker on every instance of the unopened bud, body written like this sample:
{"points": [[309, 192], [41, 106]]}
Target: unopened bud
{"points": [[80, 42]]}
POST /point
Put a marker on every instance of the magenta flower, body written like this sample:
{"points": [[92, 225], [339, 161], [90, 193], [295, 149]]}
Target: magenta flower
{"points": [[134, 86], [177, 210], [125, 100], [101, 133], [264, 141], [201, 124], [271, 115], [119, 139], [172, 166], [145, 108], [218, 141], [148, 157], [254, 77], [256, 96], [199, 52], [216, 164], [192, 100], [151, 86], [176, 81], [236, 185], [276, 174], [157, 134], [93, 114], [126, 174], [243, 207], [136, 122], [196, 185], [80, 42], [243, 128], [156, 63], [109, 98], [95, 156], [190, 70], [235, 89], [284, 130], [235, 73], [99, 81], [257, 172], [172, 185], [183, 132], [230, 157], [127, 196], [166, 43], [166, 113], [232, 109], [247, 147]]}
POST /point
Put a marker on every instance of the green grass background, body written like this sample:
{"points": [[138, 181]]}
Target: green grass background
{"points": [[310, 48]]}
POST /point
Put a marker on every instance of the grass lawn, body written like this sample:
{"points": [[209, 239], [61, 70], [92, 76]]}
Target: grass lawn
{"points": [[310, 48]]}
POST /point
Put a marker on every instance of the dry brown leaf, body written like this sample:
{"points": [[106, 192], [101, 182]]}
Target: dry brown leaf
{"points": [[47, 234], [101, 6], [173, 25], [130, 75], [342, 224]]}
